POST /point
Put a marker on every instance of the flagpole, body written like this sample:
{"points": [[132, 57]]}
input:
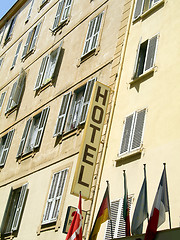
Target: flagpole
{"points": [[146, 191], [167, 196]]}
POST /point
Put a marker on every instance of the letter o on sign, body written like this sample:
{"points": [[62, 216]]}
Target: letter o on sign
{"points": [[97, 114]]}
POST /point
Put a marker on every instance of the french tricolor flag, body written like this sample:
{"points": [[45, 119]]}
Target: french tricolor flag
{"points": [[160, 206]]}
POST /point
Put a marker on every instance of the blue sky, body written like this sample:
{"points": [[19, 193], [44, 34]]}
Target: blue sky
{"points": [[5, 5]]}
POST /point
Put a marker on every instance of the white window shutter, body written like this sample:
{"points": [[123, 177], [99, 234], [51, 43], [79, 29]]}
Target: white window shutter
{"points": [[138, 130], [96, 32], [86, 100], [30, 10], [16, 55], [62, 114], [138, 8], [41, 126], [24, 137], [10, 102], [128, 127], [2, 99], [66, 10], [41, 72], [54, 197], [151, 50], [11, 26], [32, 46], [136, 60], [26, 46], [58, 14], [6, 147], [19, 207]]}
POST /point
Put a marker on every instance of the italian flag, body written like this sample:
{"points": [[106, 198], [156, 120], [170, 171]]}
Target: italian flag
{"points": [[160, 206], [102, 216], [126, 207]]}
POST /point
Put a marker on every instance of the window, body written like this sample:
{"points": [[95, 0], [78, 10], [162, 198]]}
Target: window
{"points": [[2, 99], [2, 30], [14, 210], [16, 55], [30, 10], [142, 6], [54, 197], [116, 227], [10, 29], [92, 34], [33, 133], [78, 104], [48, 68], [16, 92], [29, 47], [43, 3], [62, 13], [5, 143], [133, 132], [145, 56]]}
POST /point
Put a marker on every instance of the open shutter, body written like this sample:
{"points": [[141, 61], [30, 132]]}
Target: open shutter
{"points": [[151, 50], [19, 207], [96, 31], [138, 130], [41, 126], [16, 55], [24, 137], [19, 88], [41, 72], [58, 14], [66, 10], [10, 103], [2, 99], [136, 60], [54, 197], [26, 46], [35, 37], [11, 26], [62, 114], [138, 8], [6, 147], [86, 100], [128, 127]]}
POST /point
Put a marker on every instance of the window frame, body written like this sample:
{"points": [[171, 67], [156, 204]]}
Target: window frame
{"points": [[29, 12], [10, 29]]}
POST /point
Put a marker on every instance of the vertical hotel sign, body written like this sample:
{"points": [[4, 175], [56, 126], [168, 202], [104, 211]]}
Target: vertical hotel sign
{"points": [[91, 140]]}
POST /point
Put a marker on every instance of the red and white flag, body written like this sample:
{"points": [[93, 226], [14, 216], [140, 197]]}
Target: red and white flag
{"points": [[75, 230], [160, 206]]}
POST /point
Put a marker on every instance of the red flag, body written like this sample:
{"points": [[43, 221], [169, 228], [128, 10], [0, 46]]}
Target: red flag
{"points": [[160, 206], [75, 230], [126, 207]]}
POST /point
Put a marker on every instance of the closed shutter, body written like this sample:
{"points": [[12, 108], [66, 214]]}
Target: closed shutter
{"points": [[96, 31], [24, 137], [26, 46], [41, 72], [58, 14], [35, 37], [62, 114], [151, 49], [16, 55], [10, 103], [54, 197], [138, 8], [128, 127], [19, 207], [86, 100], [6, 147], [19, 88], [2, 99], [138, 130], [41, 126], [66, 10]]}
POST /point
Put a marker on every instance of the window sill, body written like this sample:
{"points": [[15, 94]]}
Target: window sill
{"points": [[144, 75], [88, 55], [27, 55], [9, 112], [43, 87], [129, 154], [149, 11], [61, 25], [43, 4], [26, 156]]}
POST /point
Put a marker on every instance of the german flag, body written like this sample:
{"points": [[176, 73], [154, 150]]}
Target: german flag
{"points": [[102, 216]]}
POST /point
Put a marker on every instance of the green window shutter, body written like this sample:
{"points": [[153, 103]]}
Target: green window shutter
{"points": [[6, 147], [138, 130], [86, 100], [10, 102], [54, 197], [58, 14], [19, 207], [62, 114], [2, 99], [16, 55], [151, 50], [36, 31], [26, 46], [41, 126], [138, 8], [128, 127], [66, 10], [24, 137], [41, 72]]}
